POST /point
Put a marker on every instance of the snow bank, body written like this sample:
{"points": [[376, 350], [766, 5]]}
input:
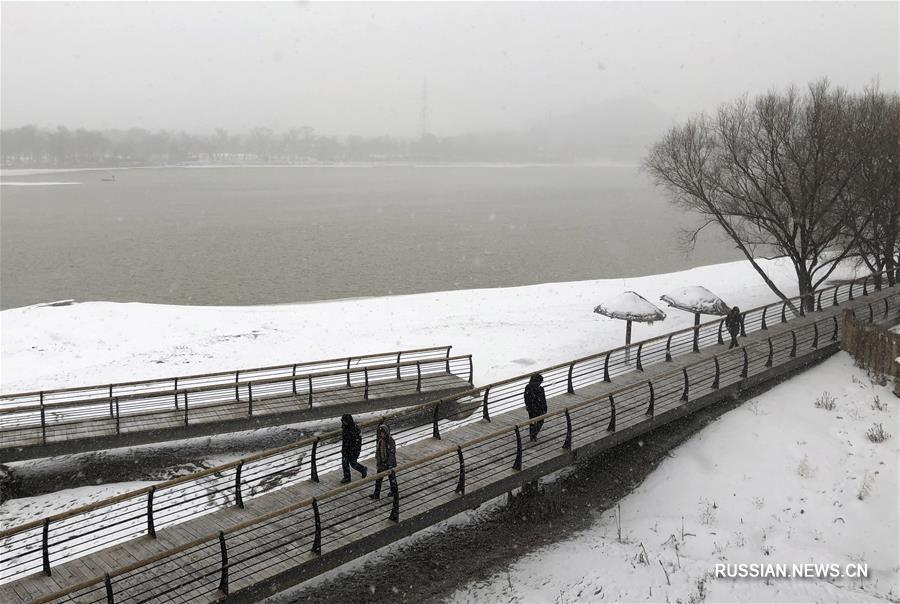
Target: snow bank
{"points": [[781, 479], [509, 330]]}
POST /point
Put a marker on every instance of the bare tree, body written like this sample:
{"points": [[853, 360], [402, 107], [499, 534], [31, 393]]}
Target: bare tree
{"points": [[772, 173], [873, 208]]}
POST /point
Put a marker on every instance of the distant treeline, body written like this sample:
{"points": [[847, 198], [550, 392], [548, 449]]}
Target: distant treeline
{"points": [[30, 146]]}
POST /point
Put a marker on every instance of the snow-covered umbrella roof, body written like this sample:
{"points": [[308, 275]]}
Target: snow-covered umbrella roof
{"points": [[696, 299], [630, 306]]}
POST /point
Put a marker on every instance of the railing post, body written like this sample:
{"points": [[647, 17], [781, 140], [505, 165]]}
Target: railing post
{"points": [[763, 325], [448, 360], [176, 393], [567, 444], [461, 484], [309, 388], [223, 581], [250, 399], [151, 527], [865, 285], [834, 300], [294, 380], [517, 464], [395, 508], [715, 383], [43, 421], [834, 333], [418, 376], [815, 343], [745, 369], [185, 408], [819, 301], [640, 367], [802, 306], [871, 314], [684, 394], [366, 391], [569, 388], [606, 368], [484, 405], [317, 539], [793, 344], [237, 394], [110, 400], [669, 349], [348, 371], [471, 372], [238, 497], [769, 360], [399, 354], [612, 415], [850, 292], [45, 546], [118, 426], [743, 327], [110, 599], [783, 311], [650, 407], [435, 430], [721, 325], [313, 469], [885, 306]]}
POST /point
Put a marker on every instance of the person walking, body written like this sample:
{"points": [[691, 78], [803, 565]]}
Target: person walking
{"points": [[733, 324], [535, 403], [351, 446], [385, 458]]}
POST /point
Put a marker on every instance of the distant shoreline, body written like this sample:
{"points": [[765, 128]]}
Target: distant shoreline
{"points": [[4, 172]]}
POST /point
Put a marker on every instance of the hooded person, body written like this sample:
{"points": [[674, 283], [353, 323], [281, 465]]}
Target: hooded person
{"points": [[351, 446], [535, 403], [733, 324], [385, 458]]}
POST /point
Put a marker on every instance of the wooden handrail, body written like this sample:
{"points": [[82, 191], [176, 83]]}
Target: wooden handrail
{"points": [[336, 433], [224, 373], [229, 385]]}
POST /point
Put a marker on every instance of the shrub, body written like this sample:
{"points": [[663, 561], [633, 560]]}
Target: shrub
{"points": [[877, 434], [826, 401]]}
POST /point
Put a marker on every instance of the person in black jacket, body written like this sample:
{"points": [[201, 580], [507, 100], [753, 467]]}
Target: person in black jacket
{"points": [[535, 403], [351, 445], [385, 458], [733, 324]]}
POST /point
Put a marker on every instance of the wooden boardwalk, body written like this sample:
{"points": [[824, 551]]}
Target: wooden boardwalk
{"points": [[27, 432], [289, 534]]}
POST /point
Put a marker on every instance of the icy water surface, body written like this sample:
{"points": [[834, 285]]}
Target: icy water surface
{"points": [[261, 235]]}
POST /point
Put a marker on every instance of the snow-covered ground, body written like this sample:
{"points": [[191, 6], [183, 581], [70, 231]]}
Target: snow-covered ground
{"points": [[508, 330], [784, 479]]}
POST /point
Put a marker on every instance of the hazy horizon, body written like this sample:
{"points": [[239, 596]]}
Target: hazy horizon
{"points": [[361, 68]]}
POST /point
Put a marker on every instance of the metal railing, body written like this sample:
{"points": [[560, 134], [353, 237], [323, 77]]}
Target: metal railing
{"points": [[259, 548], [36, 418], [38, 545]]}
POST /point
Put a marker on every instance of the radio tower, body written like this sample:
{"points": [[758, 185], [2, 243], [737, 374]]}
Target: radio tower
{"points": [[424, 115]]}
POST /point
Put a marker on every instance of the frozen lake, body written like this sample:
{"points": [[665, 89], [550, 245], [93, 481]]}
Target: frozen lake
{"points": [[263, 235]]}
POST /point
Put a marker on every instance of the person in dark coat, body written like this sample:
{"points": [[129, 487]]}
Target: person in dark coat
{"points": [[733, 324], [385, 458], [535, 403], [351, 445]]}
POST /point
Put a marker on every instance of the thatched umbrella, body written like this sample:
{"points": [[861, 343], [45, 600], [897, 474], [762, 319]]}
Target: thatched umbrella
{"points": [[629, 307], [698, 300]]}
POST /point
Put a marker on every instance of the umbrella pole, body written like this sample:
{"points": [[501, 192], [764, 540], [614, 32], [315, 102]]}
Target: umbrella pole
{"points": [[696, 332], [628, 341]]}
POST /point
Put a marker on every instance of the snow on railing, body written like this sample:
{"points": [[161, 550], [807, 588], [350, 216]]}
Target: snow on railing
{"points": [[40, 544], [260, 548]]}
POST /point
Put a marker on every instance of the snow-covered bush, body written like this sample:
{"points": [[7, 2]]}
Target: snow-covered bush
{"points": [[877, 434], [826, 401]]}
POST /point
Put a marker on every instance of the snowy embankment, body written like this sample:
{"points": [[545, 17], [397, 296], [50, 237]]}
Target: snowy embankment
{"points": [[509, 331], [790, 477]]}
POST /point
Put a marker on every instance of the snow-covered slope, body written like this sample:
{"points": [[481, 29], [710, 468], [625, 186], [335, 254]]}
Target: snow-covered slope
{"points": [[509, 330], [782, 479]]}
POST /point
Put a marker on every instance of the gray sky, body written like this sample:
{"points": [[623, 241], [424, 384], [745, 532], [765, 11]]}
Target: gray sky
{"points": [[359, 67]]}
